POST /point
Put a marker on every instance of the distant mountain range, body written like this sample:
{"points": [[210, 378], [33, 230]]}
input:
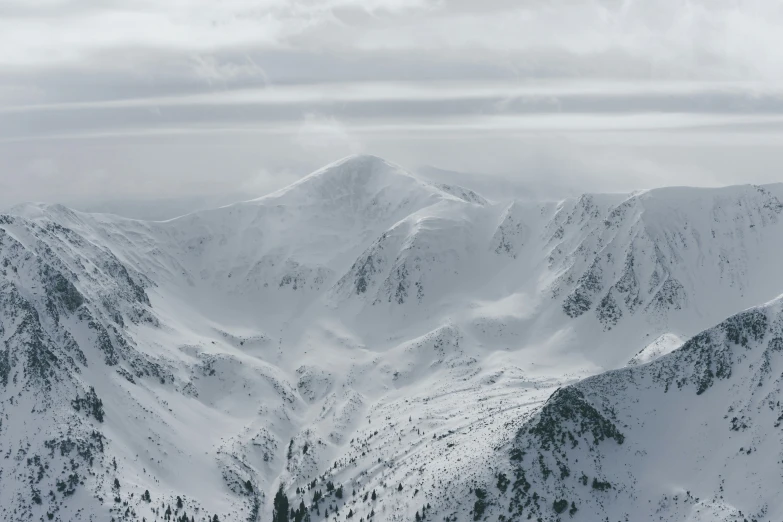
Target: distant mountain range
{"points": [[368, 345]]}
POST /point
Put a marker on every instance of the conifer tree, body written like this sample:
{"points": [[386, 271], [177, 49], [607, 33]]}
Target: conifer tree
{"points": [[280, 512]]}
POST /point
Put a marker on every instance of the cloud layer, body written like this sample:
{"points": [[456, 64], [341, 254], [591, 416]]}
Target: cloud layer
{"points": [[108, 99]]}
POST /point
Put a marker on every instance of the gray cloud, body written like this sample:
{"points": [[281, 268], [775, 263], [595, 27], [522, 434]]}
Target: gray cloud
{"points": [[102, 101]]}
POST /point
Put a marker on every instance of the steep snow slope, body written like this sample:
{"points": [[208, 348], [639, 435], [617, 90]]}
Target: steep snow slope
{"points": [[693, 436], [360, 327], [662, 345]]}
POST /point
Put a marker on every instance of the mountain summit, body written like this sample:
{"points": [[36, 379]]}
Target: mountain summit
{"points": [[364, 344]]}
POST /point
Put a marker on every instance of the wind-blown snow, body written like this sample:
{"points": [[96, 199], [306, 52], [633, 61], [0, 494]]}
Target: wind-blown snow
{"points": [[365, 328]]}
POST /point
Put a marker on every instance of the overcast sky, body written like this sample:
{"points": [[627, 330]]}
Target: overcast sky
{"points": [[103, 101]]}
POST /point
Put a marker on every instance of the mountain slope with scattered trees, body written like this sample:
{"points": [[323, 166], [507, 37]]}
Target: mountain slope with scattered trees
{"points": [[366, 345]]}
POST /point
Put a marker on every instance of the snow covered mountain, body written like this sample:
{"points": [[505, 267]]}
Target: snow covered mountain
{"points": [[694, 435], [382, 347]]}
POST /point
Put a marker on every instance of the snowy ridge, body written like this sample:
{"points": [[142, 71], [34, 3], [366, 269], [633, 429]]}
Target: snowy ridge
{"points": [[368, 341], [662, 345], [686, 437], [635, 257]]}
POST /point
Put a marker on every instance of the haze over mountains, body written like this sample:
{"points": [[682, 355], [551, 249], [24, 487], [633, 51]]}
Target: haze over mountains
{"points": [[388, 348]]}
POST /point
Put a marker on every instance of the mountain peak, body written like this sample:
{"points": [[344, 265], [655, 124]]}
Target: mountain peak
{"points": [[360, 161], [353, 173], [364, 188], [363, 313], [39, 210]]}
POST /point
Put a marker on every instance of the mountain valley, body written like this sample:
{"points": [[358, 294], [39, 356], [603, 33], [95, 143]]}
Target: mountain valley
{"points": [[375, 346]]}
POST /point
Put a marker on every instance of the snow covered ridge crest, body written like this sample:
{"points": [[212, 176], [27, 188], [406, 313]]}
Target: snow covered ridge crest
{"points": [[65, 307], [641, 253], [703, 416], [387, 348]]}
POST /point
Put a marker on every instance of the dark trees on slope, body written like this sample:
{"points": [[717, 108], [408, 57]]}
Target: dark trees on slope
{"points": [[90, 403], [280, 512]]}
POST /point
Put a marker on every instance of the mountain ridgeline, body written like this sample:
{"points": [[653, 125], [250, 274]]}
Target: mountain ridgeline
{"points": [[365, 344]]}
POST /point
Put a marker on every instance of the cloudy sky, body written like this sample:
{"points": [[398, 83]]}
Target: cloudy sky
{"points": [[107, 102]]}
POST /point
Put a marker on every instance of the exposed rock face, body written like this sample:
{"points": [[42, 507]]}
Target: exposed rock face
{"points": [[384, 347]]}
